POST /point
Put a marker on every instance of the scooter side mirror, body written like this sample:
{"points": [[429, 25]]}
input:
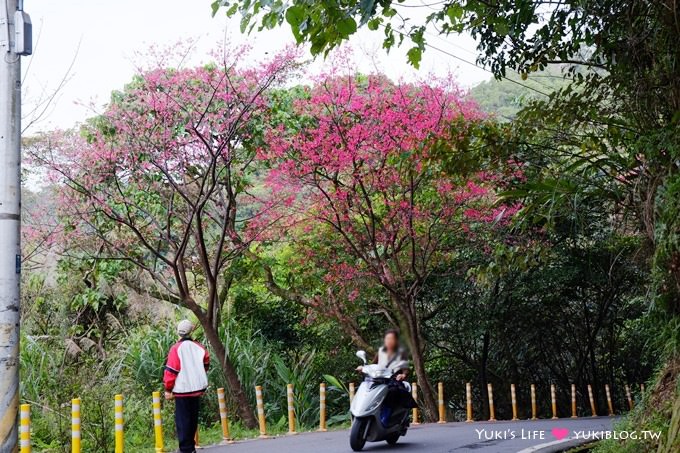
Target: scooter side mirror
{"points": [[362, 356]]}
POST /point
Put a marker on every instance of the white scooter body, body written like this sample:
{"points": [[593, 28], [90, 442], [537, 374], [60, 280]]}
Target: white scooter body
{"points": [[367, 405]]}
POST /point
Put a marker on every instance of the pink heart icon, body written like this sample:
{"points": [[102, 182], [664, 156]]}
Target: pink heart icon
{"points": [[560, 433]]}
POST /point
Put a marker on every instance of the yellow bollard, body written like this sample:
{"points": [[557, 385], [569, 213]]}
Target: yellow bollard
{"points": [[351, 392], [157, 421], [260, 412], [322, 407], [592, 401], [573, 401], [25, 428], [290, 398], [196, 439], [442, 408], [629, 397], [468, 397], [642, 388], [75, 425], [533, 402], [553, 401], [118, 418], [222, 402], [513, 399], [492, 411], [609, 400], [414, 393]]}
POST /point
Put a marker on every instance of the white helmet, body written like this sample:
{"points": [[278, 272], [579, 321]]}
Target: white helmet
{"points": [[184, 328]]}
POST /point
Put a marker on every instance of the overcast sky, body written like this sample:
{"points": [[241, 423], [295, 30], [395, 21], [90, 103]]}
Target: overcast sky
{"points": [[105, 35]]}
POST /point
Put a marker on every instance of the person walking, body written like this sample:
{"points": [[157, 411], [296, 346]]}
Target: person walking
{"points": [[185, 380]]}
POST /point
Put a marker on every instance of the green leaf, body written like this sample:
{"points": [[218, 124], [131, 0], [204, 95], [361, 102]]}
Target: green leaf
{"points": [[373, 24], [415, 54], [215, 6], [346, 27], [389, 12], [232, 10], [335, 382], [245, 20], [501, 27], [455, 12], [295, 15]]}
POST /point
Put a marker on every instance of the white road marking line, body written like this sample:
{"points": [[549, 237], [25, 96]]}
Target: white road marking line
{"points": [[548, 444]]}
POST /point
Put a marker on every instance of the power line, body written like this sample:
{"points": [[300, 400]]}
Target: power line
{"points": [[443, 41], [452, 55], [485, 69]]}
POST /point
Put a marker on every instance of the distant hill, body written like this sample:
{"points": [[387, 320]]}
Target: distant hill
{"points": [[505, 98]]}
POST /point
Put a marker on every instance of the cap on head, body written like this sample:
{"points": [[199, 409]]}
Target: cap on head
{"points": [[184, 328]]}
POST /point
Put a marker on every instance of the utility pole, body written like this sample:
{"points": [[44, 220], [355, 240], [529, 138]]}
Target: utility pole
{"points": [[15, 34]]}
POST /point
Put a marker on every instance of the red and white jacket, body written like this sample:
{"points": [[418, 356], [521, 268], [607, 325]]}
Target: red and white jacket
{"points": [[185, 371]]}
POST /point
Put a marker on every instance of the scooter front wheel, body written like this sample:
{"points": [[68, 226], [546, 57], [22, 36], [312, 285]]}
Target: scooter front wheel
{"points": [[357, 435]]}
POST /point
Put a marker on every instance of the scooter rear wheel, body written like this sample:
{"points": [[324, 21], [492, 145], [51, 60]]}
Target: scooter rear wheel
{"points": [[357, 435]]}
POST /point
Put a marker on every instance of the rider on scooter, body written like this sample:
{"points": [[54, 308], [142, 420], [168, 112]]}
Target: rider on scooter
{"points": [[392, 353]]}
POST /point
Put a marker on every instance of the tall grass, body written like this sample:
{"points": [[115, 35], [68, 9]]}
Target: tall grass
{"points": [[55, 371]]}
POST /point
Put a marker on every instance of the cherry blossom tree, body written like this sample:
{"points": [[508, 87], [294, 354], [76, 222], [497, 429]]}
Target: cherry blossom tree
{"points": [[160, 180], [366, 197]]}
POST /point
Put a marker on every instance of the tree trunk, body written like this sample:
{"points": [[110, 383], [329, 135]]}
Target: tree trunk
{"points": [[233, 381], [429, 401], [415, 344]]}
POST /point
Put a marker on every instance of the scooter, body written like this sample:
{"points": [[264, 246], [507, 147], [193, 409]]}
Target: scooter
{"points": [[372, 420]]}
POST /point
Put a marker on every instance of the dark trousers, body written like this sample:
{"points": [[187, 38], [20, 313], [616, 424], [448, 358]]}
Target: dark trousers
{"points": [[186, 421]]}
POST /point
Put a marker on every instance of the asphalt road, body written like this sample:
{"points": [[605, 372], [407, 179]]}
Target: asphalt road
{"points": [[478, 437]]}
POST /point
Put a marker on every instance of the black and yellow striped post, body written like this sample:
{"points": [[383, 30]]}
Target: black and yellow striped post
{"points": [[553, 401], [75, 426], [492, 410], [610, 406], [593, 409], [468, 398], [25, 428], [322, 407], [118, 423], [440, 401], [414, 393], [351, 392], [157, 421], [513, 400], [260, 412], [290, 399], [224, 420], [534, 410], [573, 401], [629, 397]]}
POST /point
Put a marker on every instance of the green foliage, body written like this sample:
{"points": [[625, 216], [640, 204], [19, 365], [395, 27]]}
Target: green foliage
{"points": [[506, 314], [658, 412], [667, 233], [305, 386], [503, 99], [598, 237]]}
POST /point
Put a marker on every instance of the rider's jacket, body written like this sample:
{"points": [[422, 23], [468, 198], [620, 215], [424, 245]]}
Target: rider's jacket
{"points": [[384, 360], [185, 371]]}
